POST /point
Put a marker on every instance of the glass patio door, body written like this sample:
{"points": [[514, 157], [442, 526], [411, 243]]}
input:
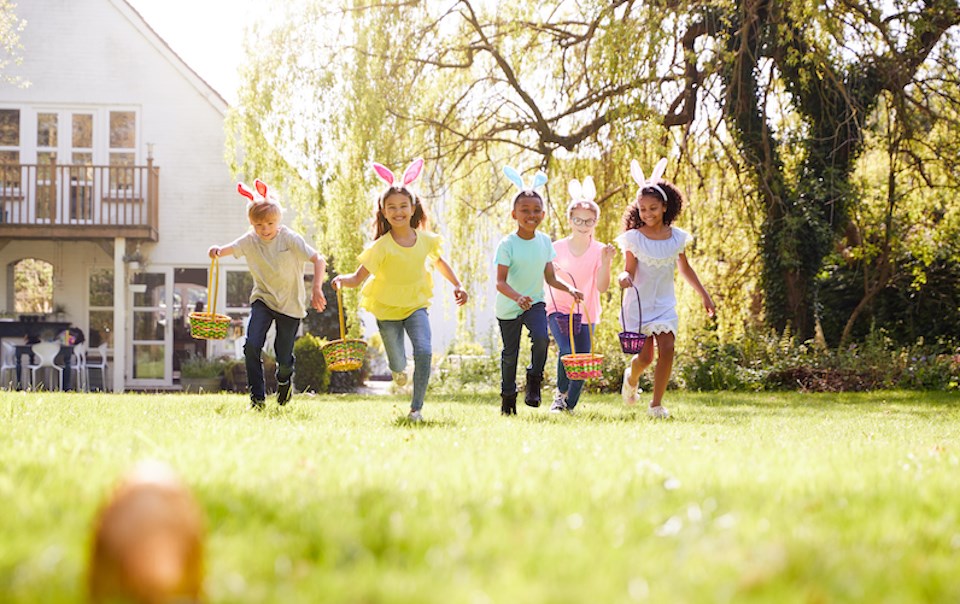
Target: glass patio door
{"points": [[148, 363], [64, 137]]}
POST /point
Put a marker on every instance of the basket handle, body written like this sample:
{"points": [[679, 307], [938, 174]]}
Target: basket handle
{"points": [[576, 303], [586, 315], [639, 309], [213, 284], [340, 311]]}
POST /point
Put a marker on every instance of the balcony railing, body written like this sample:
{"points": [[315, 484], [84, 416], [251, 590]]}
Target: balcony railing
{"points": [[78, 201]]}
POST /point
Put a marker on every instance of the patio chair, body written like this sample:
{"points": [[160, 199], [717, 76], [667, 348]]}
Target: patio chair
{"points": [[100, 363], [8, 363], [46, 353], [79, 365]]}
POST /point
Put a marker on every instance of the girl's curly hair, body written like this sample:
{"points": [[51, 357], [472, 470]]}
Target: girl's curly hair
{"points": [[674, 203]]}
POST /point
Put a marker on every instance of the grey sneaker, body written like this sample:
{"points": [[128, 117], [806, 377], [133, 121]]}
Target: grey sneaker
{"points": [[400, 378], [415, 417], [559, 403]]}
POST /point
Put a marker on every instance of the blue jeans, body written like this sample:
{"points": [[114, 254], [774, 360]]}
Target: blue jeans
{"points": [[535, 320], [417, 326], [261, 316], [582, 342]]}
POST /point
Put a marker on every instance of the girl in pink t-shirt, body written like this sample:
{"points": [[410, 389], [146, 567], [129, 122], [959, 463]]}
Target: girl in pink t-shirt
{"points": [[585, 263]]}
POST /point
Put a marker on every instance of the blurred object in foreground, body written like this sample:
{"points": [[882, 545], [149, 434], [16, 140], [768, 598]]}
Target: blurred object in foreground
{"points": [[148, 541]]}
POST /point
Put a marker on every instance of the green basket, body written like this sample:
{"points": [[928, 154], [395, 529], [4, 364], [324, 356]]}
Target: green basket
{"points": [[210, 325], [344, 354]]}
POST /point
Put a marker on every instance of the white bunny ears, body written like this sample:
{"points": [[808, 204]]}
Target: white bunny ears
{"points": [[637, 172], [539, 180], [261, 194], [411, 174], [582, 195]]}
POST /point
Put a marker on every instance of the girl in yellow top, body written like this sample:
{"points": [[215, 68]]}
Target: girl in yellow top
{"points": [[400, 259]]}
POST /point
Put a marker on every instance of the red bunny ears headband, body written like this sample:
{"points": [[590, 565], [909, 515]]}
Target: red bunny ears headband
{"points": [[649, 183], [411, 174], [262, 194]]}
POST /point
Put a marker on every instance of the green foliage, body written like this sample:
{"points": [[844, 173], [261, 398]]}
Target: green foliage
{"points": [[200, 366], [311, 373]]}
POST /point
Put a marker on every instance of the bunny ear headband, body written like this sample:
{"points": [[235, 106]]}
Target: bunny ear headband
{"points": [[539, 180], [582, 195], [262, 194], [651, 182], [411, 174]]}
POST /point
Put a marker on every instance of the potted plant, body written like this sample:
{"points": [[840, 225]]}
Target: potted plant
{"points": [[199, 373]]}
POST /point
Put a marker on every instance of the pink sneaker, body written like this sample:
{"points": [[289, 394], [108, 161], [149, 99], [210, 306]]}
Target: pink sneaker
{"points": [[628, 393]]}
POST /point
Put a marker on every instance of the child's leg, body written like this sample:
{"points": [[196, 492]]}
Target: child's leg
{"points": [[287, 327], [260, 320], [661, 375], [535, 321], [563, 345], [391, 332], [417, 326], [582, 342], [641, 361], [510, 334]]}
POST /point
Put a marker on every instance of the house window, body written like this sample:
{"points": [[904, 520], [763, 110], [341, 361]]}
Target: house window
{"points": [[9, 159], [33, 286], [100, 318], [47, 130], [239, 286], [123, 147]]}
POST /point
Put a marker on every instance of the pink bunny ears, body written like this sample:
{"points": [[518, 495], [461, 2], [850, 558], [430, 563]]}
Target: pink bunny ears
{"points": [[411, 174], [649, 183], [262, 194], [582, 195]]}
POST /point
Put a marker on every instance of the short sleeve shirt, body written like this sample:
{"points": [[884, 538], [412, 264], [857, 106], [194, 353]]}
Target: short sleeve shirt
{"points": [[525, 260], [401, 277], [277, 269]]}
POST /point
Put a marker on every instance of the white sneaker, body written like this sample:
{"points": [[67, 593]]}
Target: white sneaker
{"points": [[659, 412], [629, 394], [415, 417], [559, 403], [400, 378]]}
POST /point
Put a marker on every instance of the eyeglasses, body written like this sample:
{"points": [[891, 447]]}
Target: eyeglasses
{"points": [[588, 222]]}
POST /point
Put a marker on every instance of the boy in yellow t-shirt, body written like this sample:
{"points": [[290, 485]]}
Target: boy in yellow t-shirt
{"points": [[399, 293]]}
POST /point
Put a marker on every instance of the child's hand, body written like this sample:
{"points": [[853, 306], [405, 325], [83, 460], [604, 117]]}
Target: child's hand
{"points": [[336, 282], [576, 293], [460, 295], [624, 280], [609, 251], [214, 251], [708, 304], [525, 302], [318, 300]]}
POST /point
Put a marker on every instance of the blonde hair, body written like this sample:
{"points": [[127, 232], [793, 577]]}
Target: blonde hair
{"points": [[257, 212]]}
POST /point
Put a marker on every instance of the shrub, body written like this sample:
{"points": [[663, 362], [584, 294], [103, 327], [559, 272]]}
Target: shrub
{"points": [[311, 373], [199, 366]]}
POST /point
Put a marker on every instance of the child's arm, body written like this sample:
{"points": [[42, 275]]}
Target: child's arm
{"points": [[554, 281], [691, 276], [318, 300], [216, 250], [354, 279], [603, 276], [630, 266], [524, 302], [458, 292]]}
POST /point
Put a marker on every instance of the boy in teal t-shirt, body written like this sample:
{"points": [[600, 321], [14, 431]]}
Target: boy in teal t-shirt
{"points": [[523, 263]]}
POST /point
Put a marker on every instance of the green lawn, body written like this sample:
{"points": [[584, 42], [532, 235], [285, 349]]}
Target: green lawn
{"points": [[739, 498]]}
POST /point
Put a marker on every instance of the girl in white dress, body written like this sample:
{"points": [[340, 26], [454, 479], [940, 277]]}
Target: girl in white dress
{"points": [[652, 248]]}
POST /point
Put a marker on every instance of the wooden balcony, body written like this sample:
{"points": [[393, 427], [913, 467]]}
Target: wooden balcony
{"points": [[51, 201]]}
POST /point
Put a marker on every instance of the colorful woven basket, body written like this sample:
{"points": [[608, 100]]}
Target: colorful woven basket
{"points": [[631, 342], [210, 325], [563, 325], [583, 366], [344, 354]]}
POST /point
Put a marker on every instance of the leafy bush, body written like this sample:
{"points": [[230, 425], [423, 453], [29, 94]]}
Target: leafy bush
{"points": [[200, 366], [311, 374]]}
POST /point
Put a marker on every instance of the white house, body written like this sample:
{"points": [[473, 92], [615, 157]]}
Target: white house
{"points": [[112, 170]]}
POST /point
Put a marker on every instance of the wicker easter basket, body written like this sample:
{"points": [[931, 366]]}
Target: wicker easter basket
{"points": [[631, 342], [344, 354], [582, 366], [210, 325]]}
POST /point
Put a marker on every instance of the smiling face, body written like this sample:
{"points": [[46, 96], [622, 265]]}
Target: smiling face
{"points": [[528, 212], [583, 221], [397, 209], [265, 220], [652, 209]]}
